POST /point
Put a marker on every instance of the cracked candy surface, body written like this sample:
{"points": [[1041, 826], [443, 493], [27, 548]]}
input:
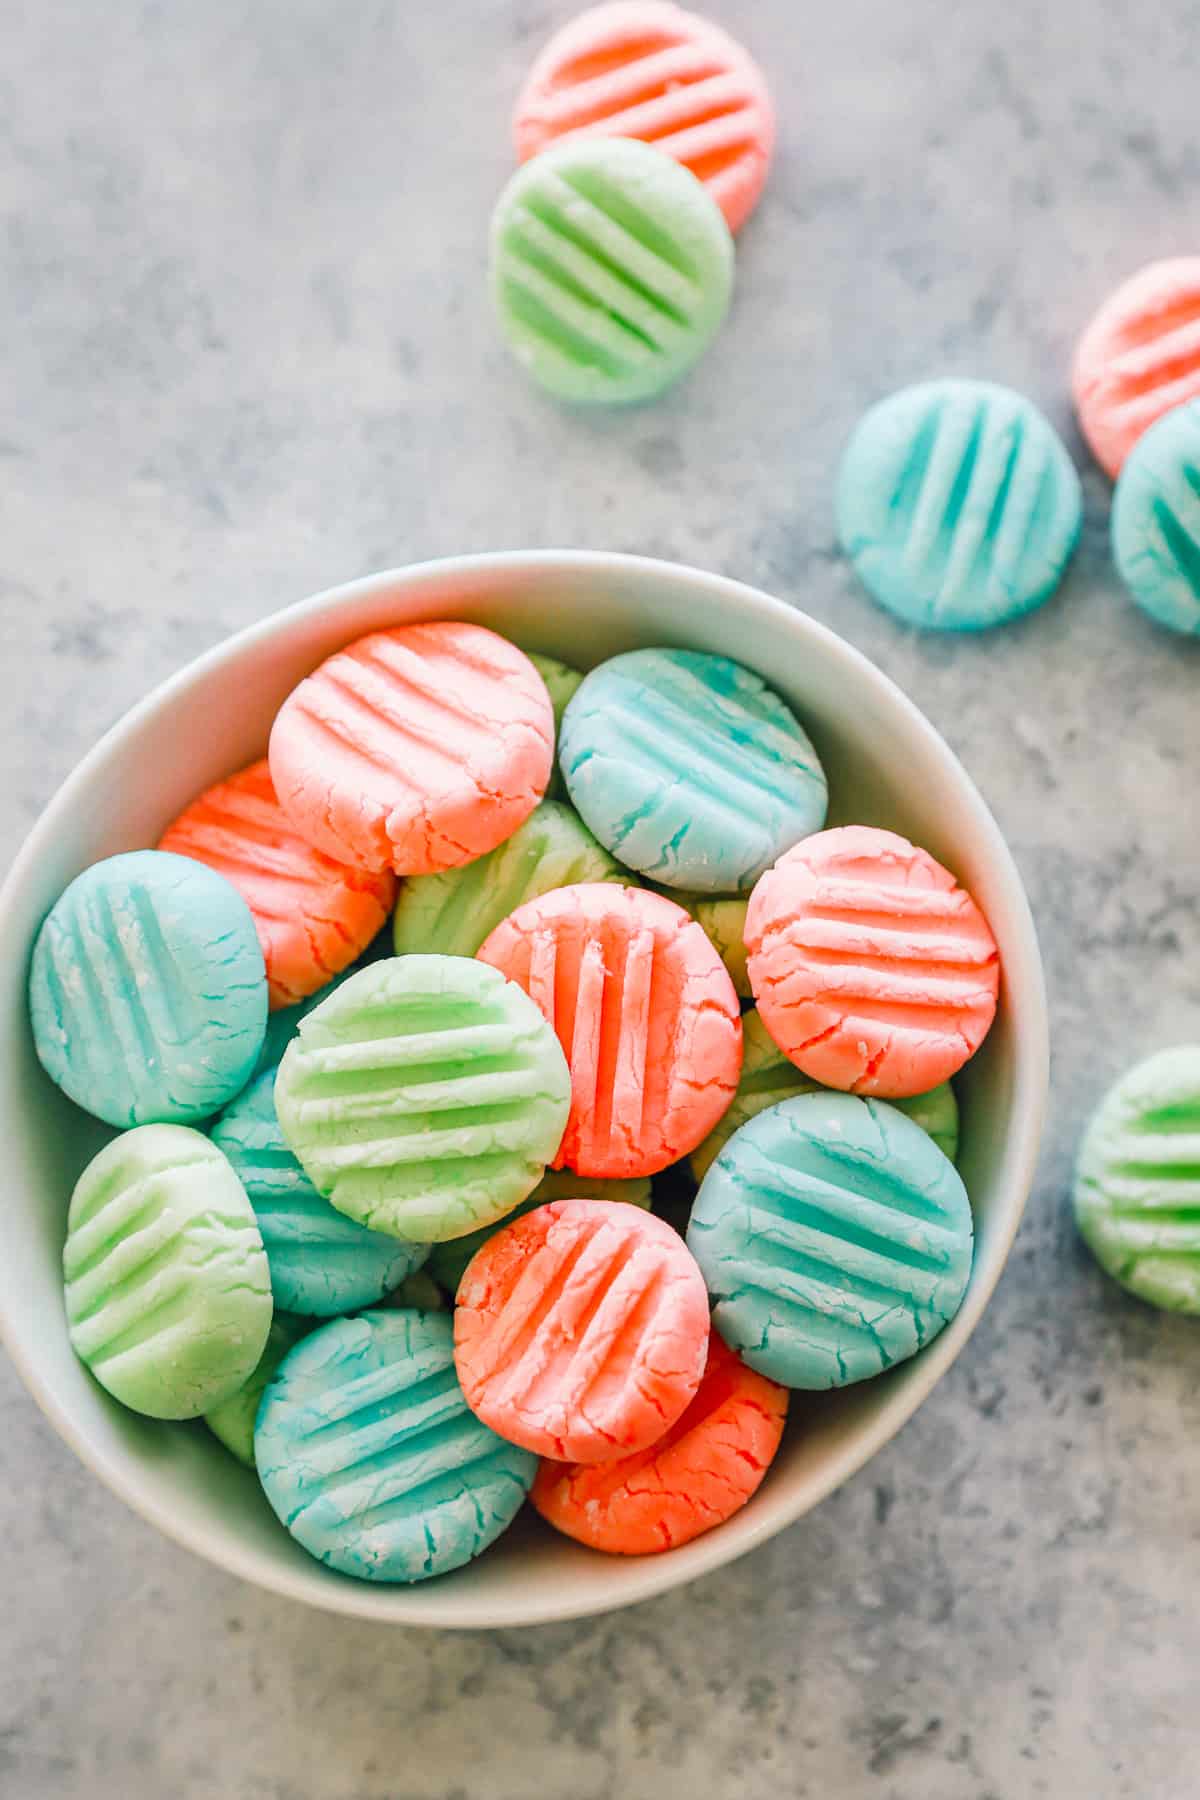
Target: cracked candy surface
{"points": [[581, 1330], [370, 1456], [689, 769], [448, 1262], [611, 270], [313, 915], [147, 990], [321, 1262], [232, 1422], [414, 749], [1139, 357], [646, 1015], [697, 1475], [835, 1239], [958, 504], [168, 1296], [1137, 1181], [454, 912], [647, 69], [768, 1076], [424, 1097], [1156, 519], [871, 968]]}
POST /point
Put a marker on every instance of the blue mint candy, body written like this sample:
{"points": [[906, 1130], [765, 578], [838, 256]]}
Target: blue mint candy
{"points": [[1156, 520], [321, 1262], [835, 1239], [689, 769], [147, 990], [958, 505], [369, 1454]]}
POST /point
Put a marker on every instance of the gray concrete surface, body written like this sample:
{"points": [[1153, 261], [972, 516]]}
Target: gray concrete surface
{"points": [[245, 353]]}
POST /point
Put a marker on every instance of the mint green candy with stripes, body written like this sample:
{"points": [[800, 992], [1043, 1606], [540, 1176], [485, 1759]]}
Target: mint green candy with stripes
{"points": [[147, 990], [958, 505], [611, 269], [689, 769], [168, 1293]]}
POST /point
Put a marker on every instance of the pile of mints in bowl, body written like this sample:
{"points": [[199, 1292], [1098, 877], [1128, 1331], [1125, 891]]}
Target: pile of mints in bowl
{"points": [[406, 1031]]}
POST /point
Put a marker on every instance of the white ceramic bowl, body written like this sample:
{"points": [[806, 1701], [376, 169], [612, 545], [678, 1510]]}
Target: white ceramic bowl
{"points": [[886, 765]]}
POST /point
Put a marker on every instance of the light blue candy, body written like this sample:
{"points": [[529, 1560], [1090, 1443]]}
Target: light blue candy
{"points": [[1156, 520], [689, 769], [835, 1239], [147, 990], [371, 1457], [321, 1262], [958, 505]]}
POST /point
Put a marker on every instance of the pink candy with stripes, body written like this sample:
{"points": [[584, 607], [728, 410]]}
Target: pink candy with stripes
{"points": [[1139, 358], [647, 69], [872, 969], [415, 749]]}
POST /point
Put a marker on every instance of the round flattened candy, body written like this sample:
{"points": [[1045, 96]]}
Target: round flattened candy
{"points": [[768, 1076], [448, 1262], [313, 915], [872, 969], [1137, 1181], [646, 69], [147, 990], [168, 1295], [454, 912], [835, 1239], [698, 1474], [425, 1097], [1139, 358], [611, 270], [369, 1454], [958, 505], [414, 749], [321, 1262], [581, 1330], [646, 1015], [1156, 520], [689, 769]]}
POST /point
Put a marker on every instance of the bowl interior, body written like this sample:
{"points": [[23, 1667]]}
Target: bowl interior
{"points": [[886, 766]]}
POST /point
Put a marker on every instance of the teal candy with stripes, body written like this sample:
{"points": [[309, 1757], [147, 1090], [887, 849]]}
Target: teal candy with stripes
{"points": [[369, 1454], [147, 990], [835, 1239], [689, 769], [1156, 520], [958, 505], [321, 1262]]}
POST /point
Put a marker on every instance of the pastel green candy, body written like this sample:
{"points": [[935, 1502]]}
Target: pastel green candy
{"points": [[561, 683], [452, 913], [1156, 520], [425, 1097], [958, 504], [768, 1077], [1137, 1181], [611, 269], [723, 918], [233, 1420], [168, 1294], [448, 1262], [283, 1025]]}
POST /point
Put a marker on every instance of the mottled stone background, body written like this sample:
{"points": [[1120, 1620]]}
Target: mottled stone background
{"points": [[246, 353]]}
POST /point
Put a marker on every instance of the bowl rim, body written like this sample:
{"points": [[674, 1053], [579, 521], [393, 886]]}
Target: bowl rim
{"points": [[652, 1575]]}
